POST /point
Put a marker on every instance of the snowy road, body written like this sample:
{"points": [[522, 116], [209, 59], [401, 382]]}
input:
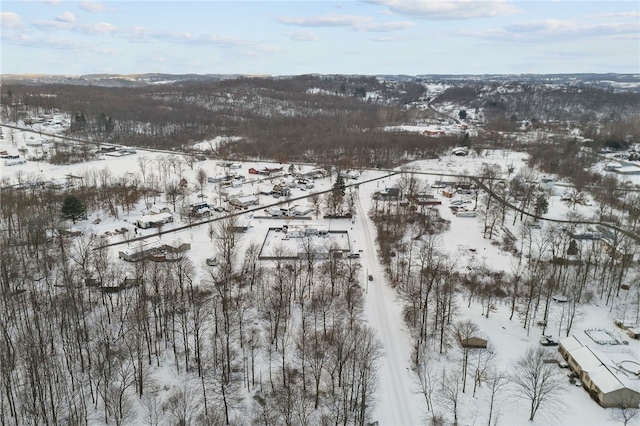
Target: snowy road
{"points": [[396, 404]]}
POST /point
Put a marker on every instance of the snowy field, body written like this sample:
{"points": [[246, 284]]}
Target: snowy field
{"points": [[398, 399]]}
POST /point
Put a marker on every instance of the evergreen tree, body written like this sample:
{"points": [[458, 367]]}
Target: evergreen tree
{"points": [[72, 208], [541, 206], [339, 186]]}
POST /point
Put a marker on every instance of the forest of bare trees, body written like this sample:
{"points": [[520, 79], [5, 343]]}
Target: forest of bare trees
{"points": [[85, 339], [323, 119]]}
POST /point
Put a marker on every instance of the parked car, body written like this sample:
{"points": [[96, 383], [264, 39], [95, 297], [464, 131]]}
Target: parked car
{"points": [[548, 341], [370, 277]]}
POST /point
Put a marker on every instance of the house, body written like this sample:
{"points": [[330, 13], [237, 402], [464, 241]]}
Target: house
{"points": [[244, 202], [389, 194], [427, 200], [300, 211], [140, 250], [241, 226], [267, 171], [274, 211], [200, 209], [350, 174], [230, 193], [154, 220], [56, 184], [628, 170], [158, 210], [460, 152], [218, 178], [605, 378], [281, 190], [155, 250]]}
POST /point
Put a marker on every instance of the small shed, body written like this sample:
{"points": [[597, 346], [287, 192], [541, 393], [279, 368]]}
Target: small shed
{"points": [[473, 343]]}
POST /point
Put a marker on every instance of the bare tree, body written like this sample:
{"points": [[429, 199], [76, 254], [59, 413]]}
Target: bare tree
{"points": [[182, 404], [201, 178], [465, 330], [497, 380], [450, 394], [424, 375], [153, 413], [625, 414], [536, 381]]}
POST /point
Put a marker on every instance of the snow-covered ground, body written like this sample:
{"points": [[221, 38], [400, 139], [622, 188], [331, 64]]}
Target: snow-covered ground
{"points": [[398, 399]]}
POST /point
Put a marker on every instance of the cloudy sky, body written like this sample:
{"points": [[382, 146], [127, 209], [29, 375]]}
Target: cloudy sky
{"points": [[307, 36]]}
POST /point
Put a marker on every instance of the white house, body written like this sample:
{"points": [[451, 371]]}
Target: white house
{"points": [[153, 220]]}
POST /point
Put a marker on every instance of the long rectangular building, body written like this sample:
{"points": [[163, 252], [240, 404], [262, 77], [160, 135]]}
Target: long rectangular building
{"points": [[610, 383]]}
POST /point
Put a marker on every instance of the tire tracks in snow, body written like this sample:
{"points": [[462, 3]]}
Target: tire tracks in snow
{"points": [[396, 403]]}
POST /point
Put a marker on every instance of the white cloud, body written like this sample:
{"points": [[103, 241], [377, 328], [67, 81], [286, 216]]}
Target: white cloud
{"points": [[359, 23], [98, 28], [385, 26], [448, 10], [302, 36], [15, 38], [91, 28], [10, 20], [553, 29], [616, 15], [66, 17], [325, 20], [91, 6]]}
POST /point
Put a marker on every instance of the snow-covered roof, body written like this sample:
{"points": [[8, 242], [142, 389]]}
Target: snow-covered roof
{"points": [[624, 170], [586, 359], [606, 380], [602, 367], [155, 217], [570, 343], [247, 199]]}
